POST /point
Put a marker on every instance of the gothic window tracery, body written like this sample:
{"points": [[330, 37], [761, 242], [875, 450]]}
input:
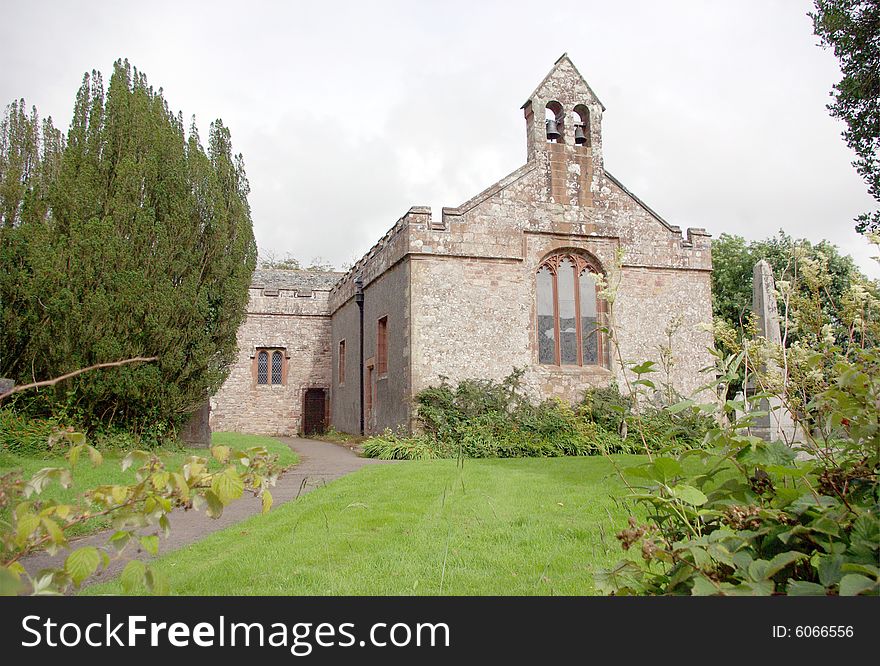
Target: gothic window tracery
{"points": [[570, 314]]}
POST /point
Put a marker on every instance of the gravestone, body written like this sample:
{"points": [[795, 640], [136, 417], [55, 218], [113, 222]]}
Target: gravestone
{"points": [[777, 424], [6, 385], [197, 430]]}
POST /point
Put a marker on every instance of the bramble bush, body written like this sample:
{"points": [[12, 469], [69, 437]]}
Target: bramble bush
{"points": [[742, 516]]}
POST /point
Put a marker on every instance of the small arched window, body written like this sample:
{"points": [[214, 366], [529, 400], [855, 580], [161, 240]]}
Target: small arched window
{"points": [[270, 366], [570, 313], [277, 364], [262, 367]]}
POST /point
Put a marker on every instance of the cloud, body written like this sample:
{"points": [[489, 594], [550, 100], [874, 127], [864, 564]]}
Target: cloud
{"points": [[349, 113]]}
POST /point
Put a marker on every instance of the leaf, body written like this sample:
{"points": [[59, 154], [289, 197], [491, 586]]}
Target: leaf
{"points": [[757, 588], [214, 507], [854, 584], [73, 455], [227, 485], [165, 525], [781, 561], [10, 582], [156, 581], [181, 485], [132, 457], [53, 531], [758, 570], [150, 544], [25, 527], [82, 563], [119, 494], [703, 587], [220, 453], [680, 407], [666, 468], [267, 501], [867, 569], [643, 368], [802, 588], [689, 494], [829, 568], [160, 480], [132, 576], [625, 574], [95, 456]]}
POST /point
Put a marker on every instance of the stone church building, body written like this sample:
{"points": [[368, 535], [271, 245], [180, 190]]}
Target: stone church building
{"points": [[508, 279]]}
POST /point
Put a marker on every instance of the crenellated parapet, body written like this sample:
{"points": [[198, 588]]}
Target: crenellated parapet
{"points": [[389, 250]]}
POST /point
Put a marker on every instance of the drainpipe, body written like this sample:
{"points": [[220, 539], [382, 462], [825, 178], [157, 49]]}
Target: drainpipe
{"points": [[359, 299]]}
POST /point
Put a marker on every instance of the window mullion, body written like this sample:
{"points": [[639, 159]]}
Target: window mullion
{"points": [[577, 314], [558, 345]]}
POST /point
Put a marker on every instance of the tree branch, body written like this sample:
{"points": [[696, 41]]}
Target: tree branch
{"points": [[52, 382]]}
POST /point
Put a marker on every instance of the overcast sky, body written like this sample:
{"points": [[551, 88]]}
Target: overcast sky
{"points": [[348, 113]]}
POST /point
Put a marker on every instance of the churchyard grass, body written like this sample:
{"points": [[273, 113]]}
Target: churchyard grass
{"points": [[492, 526], [86, 476]]}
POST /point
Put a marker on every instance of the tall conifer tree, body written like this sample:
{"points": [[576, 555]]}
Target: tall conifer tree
{"points": [[146, 247]]}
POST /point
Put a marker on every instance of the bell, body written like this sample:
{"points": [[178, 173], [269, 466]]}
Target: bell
{"points": [[552, 131], [579, 137]]}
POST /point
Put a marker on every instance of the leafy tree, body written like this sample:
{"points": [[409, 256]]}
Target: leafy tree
{"points": [[143, 246], [851, 28], [272, 260], [289, 262], [734, 258]]}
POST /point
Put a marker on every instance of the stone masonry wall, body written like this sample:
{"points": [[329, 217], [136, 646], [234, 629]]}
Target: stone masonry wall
{"points": [[301, 326]]}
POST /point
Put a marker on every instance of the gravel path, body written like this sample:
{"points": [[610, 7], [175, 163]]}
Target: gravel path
{"points": [[320, 463]]}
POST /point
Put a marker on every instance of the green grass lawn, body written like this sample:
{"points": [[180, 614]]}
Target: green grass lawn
{"points": [[86, 476], [511, 527]]}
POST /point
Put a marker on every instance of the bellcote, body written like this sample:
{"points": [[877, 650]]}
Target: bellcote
{"points": [[564, 104]]}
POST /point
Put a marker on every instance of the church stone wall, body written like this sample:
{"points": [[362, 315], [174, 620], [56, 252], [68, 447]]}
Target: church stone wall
{"points": [[301, 326], [385, 295]]}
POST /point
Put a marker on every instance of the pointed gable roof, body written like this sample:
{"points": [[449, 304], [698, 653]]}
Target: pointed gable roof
{"points": [[563, 61]]}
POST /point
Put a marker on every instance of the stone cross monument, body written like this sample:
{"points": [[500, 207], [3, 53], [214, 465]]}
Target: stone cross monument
{"points": [[778, 423]]}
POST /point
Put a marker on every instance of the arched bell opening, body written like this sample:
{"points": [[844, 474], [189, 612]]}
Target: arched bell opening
{"points": [[581, 119], [554, 122]]}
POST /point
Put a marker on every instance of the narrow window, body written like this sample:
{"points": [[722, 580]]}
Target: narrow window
{"points": [[382, 347], [277, 366], [341, 362], [262, 367], [589, 319], [368, 393], [546, 317], [568, 333]]}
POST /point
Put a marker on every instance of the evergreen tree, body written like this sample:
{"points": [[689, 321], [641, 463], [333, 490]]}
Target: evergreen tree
{"points": [[146, 248]]}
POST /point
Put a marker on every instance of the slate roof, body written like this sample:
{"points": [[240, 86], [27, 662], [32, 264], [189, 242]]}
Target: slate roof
{"points": [[274, 278]]}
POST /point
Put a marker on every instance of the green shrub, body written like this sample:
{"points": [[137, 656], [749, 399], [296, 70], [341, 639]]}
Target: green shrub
{"points": [[389, 446], [22, 435], [491, 419], [606, 406]]}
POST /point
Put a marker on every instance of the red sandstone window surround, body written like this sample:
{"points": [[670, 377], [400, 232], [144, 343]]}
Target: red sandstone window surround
{"points": [[569, 312], [341, 363], [382, 347], [270, 366]]}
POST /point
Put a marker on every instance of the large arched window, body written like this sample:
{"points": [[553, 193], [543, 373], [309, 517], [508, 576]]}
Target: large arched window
{"points": [[570, 314]]}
